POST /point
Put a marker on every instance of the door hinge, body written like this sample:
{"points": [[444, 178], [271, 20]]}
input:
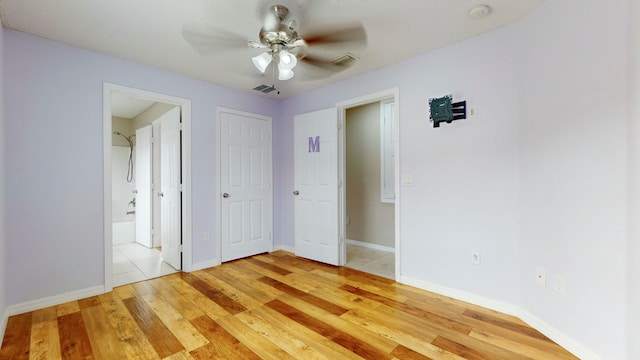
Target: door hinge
{"points": [[180, 126], [339, 125], [180, 187], [180, 247]]}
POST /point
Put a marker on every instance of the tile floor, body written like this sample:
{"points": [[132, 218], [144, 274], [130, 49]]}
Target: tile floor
{"points": [[377, 262], [133, 262]]}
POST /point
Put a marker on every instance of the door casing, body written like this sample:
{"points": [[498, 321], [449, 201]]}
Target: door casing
{"points": [[342, 160], [185, 104]]}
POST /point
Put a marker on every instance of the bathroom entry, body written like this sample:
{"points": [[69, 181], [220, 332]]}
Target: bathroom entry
{"points": [[146, 194], [370, 187]]}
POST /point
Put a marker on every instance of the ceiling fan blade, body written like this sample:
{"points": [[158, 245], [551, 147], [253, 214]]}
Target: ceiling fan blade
{"points": [[322, 68], [206, 38], [351, 34]]}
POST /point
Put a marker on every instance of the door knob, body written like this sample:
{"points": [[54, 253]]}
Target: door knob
{"points": [[225, 195], [160, 194], [296, 193]]}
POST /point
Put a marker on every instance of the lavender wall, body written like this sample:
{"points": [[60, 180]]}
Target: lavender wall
{"points": [[54, 155], [573, 173], [633, 251], [537, 180], [465, 192], [3, 260], [531, 182]]}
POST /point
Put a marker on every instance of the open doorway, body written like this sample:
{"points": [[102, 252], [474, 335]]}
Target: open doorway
{"points": [[370, 195], [369, 166], [145, 174]]}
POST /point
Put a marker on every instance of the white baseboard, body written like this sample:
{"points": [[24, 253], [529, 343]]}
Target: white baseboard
{"points": [[44, 303], [3, 324], [290, 249], [53, 300], [205, 264], [559, 337], [461, 295], [549, 331], [371, 246]]}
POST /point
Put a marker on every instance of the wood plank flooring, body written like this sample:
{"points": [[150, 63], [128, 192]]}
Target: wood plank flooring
{"points": [[272, 306]]}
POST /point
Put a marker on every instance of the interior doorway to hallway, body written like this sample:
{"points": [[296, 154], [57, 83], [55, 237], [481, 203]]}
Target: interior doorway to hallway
{"points": [[369, 197], [369, 188]]}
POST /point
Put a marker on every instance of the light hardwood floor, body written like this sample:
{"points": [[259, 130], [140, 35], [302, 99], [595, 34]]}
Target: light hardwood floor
{"points": [[273, 306]]}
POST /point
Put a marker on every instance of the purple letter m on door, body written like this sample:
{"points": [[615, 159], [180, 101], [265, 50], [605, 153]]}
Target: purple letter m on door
{"points": [[314, 145]]}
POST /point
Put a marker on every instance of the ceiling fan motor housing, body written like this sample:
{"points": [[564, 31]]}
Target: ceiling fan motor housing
{"points": [[282, 35], [277, 33]]}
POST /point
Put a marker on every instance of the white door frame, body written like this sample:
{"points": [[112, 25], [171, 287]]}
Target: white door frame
{"points": [[342, 115], [219, 110], [185, 104]]}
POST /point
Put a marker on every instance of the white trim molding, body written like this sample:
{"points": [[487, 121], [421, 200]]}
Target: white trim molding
{"points": [[393, 93], [371, 246], [53, 300], [205, 264], [44, 303], [3, 324], [290, 249], [549, 331], [185, 105]]}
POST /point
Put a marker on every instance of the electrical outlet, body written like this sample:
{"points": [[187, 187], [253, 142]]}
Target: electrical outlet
{"points": [[475, 257], [541, 277], [206, 236], [559, 284]]}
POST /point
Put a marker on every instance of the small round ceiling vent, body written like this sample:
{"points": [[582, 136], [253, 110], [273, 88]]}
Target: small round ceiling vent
{"points": [[478, 12]]}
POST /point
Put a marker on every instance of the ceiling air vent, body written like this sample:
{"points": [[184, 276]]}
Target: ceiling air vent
{"points": [[344, 60], [264, 88]]}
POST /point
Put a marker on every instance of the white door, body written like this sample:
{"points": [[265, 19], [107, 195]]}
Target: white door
{"points": [[170, 188], [155, 186], [143, 186], [316, 186], [246, 215]]}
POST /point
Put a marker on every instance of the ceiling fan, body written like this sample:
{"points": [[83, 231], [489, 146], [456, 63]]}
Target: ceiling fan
{"points": [[284, 46]]}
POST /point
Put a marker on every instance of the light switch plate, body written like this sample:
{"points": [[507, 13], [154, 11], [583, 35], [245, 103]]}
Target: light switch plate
{"points": [[407, 180]]}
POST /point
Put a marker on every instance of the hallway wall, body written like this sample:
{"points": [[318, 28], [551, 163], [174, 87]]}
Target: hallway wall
{"points": [[370, 220]]}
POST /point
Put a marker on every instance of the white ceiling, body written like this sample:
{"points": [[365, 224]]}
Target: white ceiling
{"points": [[150, 32]]}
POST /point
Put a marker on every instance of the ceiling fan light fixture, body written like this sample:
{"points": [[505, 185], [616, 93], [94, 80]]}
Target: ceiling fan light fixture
{"points": [[262, 61], [284, 74], [287, 60]]}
